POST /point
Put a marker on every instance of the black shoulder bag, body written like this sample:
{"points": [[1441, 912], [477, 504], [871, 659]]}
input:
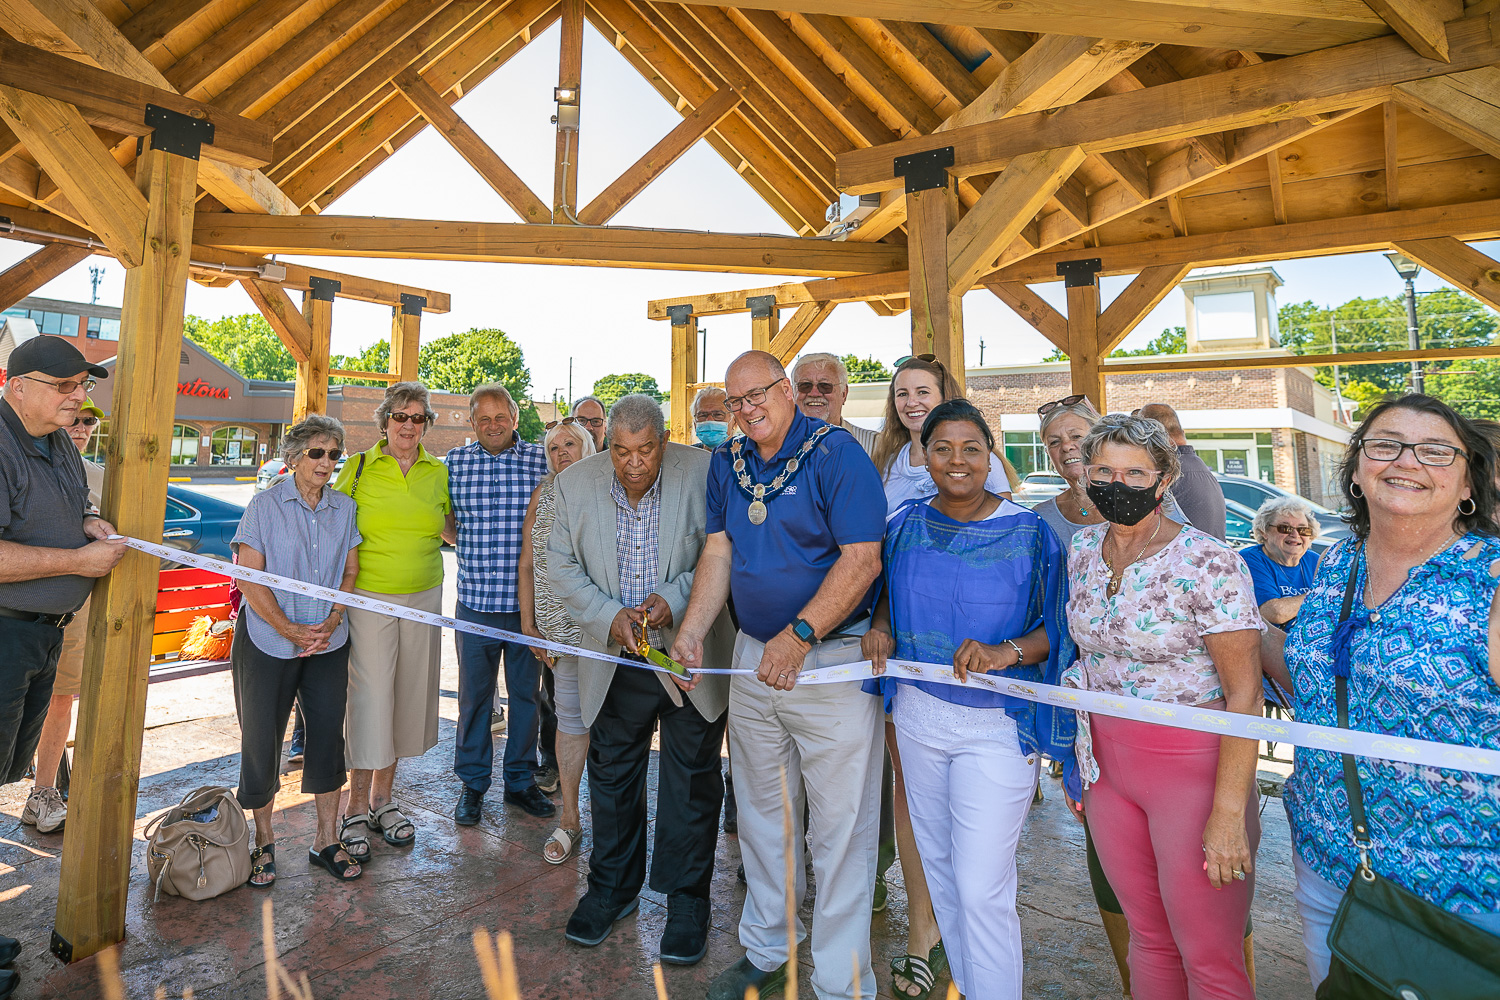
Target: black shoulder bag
{"points": [[1388, 942]]}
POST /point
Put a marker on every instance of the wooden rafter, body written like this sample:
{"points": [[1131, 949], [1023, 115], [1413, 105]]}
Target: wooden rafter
{"points": [[1420, 22], [1034, 309], [569, 75], [1474, 272], [1466, 104], [27, 275]]}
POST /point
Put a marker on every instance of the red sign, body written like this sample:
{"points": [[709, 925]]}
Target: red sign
{"points": [[201, 388]]}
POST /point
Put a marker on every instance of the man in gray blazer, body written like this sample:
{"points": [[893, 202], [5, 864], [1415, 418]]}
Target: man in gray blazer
{"points": [[630, 527]]}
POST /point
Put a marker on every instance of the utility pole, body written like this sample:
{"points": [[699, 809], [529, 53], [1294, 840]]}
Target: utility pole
{"points": [[981, 352], [570, 381], [703, 354], [96, 275], [1408, 269], [1333, 347]]}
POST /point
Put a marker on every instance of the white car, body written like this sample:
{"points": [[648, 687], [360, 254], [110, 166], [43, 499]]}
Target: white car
{"points": [[1039, 486], [276, 470]]}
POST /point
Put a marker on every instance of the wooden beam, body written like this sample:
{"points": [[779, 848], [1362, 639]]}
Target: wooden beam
{"points": [[279, 310], [1390, 156], [1083, 342], [149, 27], [1459, 264], [1466, 104], [800, 328], [1004, 210], [937, 313], [406, 343], [862, 61], [348, 373], [765, 324], [1033, 309], [569, 74], [26, 276], [118, 103], [498, 242], [1215, 361], [1420, 22], [97, 857], [1326, 81], [684, 373], [1137, 300], [310, 393], [475, 151], [1278, 197], [659, 157], [67, 149]]}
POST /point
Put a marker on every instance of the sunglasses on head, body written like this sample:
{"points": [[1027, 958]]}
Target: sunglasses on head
{"points": [[416, 418], [931, 359], [565, 420], [334, 454], [1295, 529], [1072, 400], [85, 421]]}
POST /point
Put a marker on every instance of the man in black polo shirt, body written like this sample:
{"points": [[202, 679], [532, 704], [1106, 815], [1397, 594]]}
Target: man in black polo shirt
{"points": [[52, 545]]}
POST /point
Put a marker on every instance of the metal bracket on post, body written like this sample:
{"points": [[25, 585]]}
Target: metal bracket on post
{"points": [[1078, 273], [761, 306], [324, 289], [925, 170], [412, 305], [175, 132], [681, 315], [62, 948]]}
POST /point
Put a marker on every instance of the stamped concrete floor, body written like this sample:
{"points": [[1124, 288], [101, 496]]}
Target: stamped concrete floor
{"points": [[404, 930]]}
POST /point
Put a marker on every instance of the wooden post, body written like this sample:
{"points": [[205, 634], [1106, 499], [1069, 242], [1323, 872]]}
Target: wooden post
{"points": [[684, 371], [569, 76], [406, 327], [1082, 280], [937, 314], [310, 395], [106, 772], [765, 321]]}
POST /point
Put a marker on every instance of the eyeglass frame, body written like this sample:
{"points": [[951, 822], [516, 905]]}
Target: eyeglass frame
{"points": [[813, 383], [1295, 529], [592, 423], [1365, 443], [66, 387], [334, 454], [88, 421], [734, 403], [1158, 473], [1072, 400], [417, 418], [558, 423]]}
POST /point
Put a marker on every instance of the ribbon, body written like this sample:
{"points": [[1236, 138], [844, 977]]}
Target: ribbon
{"points": [[1427, 753]]}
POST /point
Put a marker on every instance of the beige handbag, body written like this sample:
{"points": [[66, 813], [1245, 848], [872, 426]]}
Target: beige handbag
{"points": [[199, 848]]}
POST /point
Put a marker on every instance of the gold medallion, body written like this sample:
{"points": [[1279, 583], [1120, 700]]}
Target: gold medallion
{"points": [[757, 512]]}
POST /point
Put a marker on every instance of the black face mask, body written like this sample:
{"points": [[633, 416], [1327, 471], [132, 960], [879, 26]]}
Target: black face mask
{"points": [[1121, 504]]}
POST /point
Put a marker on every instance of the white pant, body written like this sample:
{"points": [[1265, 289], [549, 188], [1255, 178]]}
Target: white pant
{"points": [[827, 738], [968, 805]]}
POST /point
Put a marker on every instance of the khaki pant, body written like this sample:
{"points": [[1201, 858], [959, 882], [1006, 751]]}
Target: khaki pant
{"points": [[393, 682], [70, 661]]}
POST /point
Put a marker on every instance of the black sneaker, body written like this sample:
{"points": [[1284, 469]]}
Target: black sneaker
{"points": [[532, 800], [497, 722], [732, 983], [470, 804], [595, 917], [685, 940], [548, 779]]}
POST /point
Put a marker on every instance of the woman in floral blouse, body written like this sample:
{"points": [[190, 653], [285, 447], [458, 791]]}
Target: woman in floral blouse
{"points": [[1164, 612]]}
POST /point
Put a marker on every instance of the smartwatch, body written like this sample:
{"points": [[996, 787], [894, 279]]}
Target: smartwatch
{"points": [[802, 630]]}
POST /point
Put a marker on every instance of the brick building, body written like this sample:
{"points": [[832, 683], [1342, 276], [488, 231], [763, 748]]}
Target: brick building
{"points": [[93, 329]]}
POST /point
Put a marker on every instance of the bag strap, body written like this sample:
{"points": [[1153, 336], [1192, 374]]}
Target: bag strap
{"points": [[359, 470], [1351, 772]]}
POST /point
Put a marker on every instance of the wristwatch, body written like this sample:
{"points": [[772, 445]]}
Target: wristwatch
{"points": [[802, 630]]}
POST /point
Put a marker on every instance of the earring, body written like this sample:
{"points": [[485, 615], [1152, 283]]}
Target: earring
{"points": [[1354, 490], [1472, 506]]}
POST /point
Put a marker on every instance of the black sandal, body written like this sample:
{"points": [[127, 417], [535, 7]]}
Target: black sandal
{"points": [[327, 859], [257, 867], [358, 844]]}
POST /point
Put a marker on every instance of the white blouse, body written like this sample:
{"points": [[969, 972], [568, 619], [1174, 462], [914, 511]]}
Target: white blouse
{"points": [[905, 482]]}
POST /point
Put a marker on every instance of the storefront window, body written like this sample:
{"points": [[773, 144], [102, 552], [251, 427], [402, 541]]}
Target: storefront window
{"points": [[100, 328], [1025, 451], [98, 443], [184, 445], [234, 446]]}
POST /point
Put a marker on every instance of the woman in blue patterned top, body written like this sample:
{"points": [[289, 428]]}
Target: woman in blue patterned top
{"points": [[979, 582], [1422, 664]]}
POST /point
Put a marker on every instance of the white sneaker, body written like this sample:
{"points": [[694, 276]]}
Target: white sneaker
{"points": [[45, 809]]}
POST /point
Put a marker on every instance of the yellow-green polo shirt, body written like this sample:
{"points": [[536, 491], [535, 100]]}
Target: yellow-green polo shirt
{"points": [[401, 519]]}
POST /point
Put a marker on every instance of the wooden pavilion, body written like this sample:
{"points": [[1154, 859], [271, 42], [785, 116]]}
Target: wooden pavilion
{"points": [[992, 146]]}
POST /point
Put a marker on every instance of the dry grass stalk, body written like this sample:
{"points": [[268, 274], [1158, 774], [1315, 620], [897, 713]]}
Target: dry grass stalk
{"points": [[497, 965], [953, 993], [277, 976], [661, 982], [751, 993], [856, 974], [788, 836], [110, 983]]}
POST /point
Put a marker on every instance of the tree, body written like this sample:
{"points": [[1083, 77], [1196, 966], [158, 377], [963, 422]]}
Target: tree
{"points": [[245, 343], [865, 369], [1172, 341], [612, 387], [375, 358]]}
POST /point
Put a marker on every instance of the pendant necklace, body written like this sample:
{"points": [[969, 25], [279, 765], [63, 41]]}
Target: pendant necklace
{"points": [[1117, 576], [759, 492]]}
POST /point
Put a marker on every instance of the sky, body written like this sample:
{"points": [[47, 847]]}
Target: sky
{"points": [[576, 324]]}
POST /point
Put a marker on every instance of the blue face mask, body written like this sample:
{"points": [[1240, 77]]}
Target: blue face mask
{"points": [[712, 432]]}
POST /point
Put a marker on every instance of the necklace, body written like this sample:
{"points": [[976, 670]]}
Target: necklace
{"points": [[1420, 563], [1117, 576], [758, 492]]}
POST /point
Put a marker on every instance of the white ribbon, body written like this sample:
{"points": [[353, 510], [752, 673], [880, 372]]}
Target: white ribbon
{"points": [[1204, 720]]}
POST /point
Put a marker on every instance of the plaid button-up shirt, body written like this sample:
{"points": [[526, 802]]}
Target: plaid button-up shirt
{"points": [[637, 537], [490, 494]]}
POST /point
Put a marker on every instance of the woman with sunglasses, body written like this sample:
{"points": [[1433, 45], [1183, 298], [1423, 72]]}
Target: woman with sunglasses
{"points": [[1283, 565], [291, 647], [402, 494]]}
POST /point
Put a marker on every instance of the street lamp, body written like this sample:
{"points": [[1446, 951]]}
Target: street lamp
{"points": [[1409, 269]]}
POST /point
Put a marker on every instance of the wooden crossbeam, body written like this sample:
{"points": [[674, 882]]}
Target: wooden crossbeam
{"points": [[1034, 309], [1009, 205], [475, 151], [149, 27], [348, 373], [282, 313], [27, 275], [1465, 104], [1420, 22], [1224, 362], [1457, 262], [1132, 305], [800, 328], [859, 59]]}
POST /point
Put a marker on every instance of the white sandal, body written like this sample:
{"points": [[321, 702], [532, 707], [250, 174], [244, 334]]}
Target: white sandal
{"points": [[566, 839]]}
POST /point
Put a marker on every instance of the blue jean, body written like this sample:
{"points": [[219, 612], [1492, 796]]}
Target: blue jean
{"points": [[478, 668]]}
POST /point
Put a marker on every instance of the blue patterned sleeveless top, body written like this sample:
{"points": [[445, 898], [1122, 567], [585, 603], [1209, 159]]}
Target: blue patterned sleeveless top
{"points": [[1419, 668]]}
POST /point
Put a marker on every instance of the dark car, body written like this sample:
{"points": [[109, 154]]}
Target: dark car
{"points": [[197, 522], [1251, 493]]}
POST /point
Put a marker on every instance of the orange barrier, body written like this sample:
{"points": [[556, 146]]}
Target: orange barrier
{"points": [[182, 596]]}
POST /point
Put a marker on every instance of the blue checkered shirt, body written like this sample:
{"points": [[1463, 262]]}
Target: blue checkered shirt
{"points": [[637, 537], [490, 494]]}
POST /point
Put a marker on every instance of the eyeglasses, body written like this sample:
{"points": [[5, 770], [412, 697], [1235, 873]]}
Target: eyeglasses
{"points": [[65, 388], [592, 423], [1072, 400], [416, 418], [1425, 452], [753, 398], [85, 421], [1294, 529], [826, 388], [334, 454], [565, 420], [1136, 479]]}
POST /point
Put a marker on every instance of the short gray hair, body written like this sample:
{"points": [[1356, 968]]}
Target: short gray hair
{"points": [[822, 358], [1137, 432], [305, 431], [588, 399], [705, 392], [1272, 509], [635, 413], [1083, 408], [493, 390], [577, 431], [400, 394]]}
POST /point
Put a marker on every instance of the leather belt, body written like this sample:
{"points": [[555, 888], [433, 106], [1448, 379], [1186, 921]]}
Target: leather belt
{"points": [[56, 621]]}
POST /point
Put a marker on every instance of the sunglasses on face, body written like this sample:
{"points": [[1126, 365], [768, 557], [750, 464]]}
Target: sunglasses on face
{"points": [[85, 421], [1072, 400], [1295, 529], [334, 454], [824, 388], [65, 388], [416, 418]]}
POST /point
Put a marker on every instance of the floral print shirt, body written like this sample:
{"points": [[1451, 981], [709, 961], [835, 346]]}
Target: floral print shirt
{"points": [[1147, 640]]}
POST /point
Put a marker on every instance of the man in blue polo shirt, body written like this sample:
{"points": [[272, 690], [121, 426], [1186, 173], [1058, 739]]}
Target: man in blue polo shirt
{"points": [[796, 515]]}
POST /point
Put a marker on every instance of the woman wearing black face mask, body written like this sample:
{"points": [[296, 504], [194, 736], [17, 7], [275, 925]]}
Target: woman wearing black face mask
{"points": [[1164, 612]]}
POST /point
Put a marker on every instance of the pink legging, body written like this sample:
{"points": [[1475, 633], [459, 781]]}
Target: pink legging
{"points": [[1147, 812]]}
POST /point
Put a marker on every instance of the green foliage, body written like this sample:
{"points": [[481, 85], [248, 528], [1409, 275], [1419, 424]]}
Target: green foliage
{"points": [[1173, 341], [375, 358], [612, 387], [865, 369], [245, 343]]}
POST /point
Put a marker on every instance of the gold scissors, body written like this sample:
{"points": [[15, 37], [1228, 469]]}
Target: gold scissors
{"points": [[655, 656]]}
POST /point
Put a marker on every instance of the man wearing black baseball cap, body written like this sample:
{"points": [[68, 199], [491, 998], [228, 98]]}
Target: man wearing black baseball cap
{"points": [[52, 545]]}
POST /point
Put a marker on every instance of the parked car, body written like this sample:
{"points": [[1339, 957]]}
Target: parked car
{"points": [[1239, 528], [197, 522], [276, 470], [1251, 493], [1038, 486]]}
